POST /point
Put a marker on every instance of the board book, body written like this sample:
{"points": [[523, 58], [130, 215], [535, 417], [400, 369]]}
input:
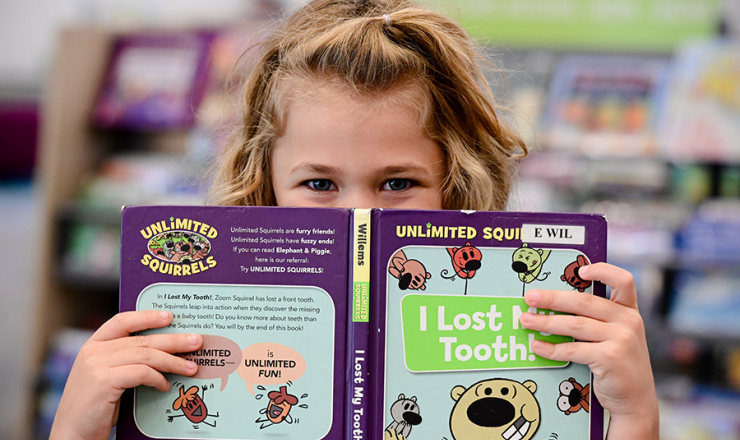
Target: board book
{"points": [[324, 323]]}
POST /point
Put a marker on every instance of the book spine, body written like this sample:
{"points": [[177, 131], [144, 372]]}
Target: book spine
{"points": [[358, 330]]}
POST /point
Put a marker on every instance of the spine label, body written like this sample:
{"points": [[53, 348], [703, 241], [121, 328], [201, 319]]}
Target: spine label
{"points": [[361, 266]]}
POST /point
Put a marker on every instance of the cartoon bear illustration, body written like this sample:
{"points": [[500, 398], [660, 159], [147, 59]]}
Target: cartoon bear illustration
{"points": [[571, 277], [411, 274], [495, 409], [405, 414], [573, 396]]}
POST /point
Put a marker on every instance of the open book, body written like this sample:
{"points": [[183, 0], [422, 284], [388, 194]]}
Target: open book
{"points": [[358, 324]]}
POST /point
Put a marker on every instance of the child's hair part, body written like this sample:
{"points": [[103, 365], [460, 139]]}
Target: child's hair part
{"points": [[373, 48]]}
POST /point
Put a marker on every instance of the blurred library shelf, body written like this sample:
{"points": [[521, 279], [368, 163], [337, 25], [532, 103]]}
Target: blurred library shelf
{"points": [[641, 126], [130, 118]]}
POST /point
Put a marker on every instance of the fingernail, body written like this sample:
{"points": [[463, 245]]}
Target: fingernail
{"points": [[526, 318], [536, 344], [192, 339], [190, 365], [164, 315], [531, 297]]}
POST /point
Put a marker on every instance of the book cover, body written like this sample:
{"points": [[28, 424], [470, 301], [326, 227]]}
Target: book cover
{"points": [[267, 289], [602, 105], [452, 360], [154, 81], [700, 109], [358, 324]]}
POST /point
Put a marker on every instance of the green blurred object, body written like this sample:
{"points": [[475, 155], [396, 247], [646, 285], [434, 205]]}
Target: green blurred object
{"points": [[692, 183], [729, 186], [618, 25]]}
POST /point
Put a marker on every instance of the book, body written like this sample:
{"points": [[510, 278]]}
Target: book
{"points": [[323, 323], [604, 105], [700, 109], [154, 81]]}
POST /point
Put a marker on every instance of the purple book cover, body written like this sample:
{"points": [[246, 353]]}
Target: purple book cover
{"points": [[154, 81], [451, 360], [268, 290]]}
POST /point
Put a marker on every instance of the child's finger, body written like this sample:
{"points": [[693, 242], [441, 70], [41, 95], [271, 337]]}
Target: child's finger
{"points": [[579, 303], [130, 376], [578, 352], [620, 280], [166, 342], [579, 327], [123, 324], [156, 359]]}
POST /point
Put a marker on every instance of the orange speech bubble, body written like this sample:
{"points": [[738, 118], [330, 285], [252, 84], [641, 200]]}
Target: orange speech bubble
{"points": [[218, 357], [269, 363]]}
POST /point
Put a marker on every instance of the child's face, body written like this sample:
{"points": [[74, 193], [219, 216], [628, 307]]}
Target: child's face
{"points": [[340, 151]]}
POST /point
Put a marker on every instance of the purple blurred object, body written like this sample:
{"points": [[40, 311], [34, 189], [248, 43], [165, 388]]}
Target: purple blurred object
{"points": [[19, 123], [155, 81]]}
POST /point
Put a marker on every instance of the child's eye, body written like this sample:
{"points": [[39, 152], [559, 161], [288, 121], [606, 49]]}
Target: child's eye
{"points": [[396, 184], [320, 184]]}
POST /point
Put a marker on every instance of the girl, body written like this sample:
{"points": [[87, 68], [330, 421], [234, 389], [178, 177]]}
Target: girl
{"points": [[374, 104]]}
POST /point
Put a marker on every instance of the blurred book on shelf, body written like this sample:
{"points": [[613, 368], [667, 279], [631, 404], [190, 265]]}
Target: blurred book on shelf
{"points": [[711, 235], [55, 370], [89, 228], [154, 81], [707, 419], [92, 250], [706, 305], [601, 105], [143, 178], [640, 232], [700, 109], [705, 300], [588, 177]]}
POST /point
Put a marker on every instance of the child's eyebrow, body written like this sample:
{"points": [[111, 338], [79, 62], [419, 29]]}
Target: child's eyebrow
{"points": [[315, 168], [404, 168]]}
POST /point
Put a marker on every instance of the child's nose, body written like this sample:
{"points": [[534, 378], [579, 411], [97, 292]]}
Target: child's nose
{"points": [[361, 199]]}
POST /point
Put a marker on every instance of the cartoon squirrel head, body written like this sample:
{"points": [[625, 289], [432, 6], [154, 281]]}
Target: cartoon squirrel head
{"points": [[571, 276]]}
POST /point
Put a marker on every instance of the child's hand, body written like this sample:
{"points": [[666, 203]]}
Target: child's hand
{"points": [[617, 353], [111, 361]]}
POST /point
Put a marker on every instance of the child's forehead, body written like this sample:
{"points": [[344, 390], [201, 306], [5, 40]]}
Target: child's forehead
{"points": [[332, 91]]}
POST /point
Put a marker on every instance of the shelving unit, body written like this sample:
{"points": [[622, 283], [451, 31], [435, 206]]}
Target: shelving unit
{"points": [[70, 151], [649, 200]]}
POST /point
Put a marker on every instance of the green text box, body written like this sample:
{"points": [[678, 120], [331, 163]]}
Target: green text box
{"points": [[453, 333]]}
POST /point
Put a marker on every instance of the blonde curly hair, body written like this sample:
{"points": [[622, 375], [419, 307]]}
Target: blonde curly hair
{"points": [[372, 47]]}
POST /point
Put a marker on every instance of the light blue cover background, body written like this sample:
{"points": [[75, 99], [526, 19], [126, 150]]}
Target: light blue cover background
{"points": [[237, 408], [432, 390]]}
